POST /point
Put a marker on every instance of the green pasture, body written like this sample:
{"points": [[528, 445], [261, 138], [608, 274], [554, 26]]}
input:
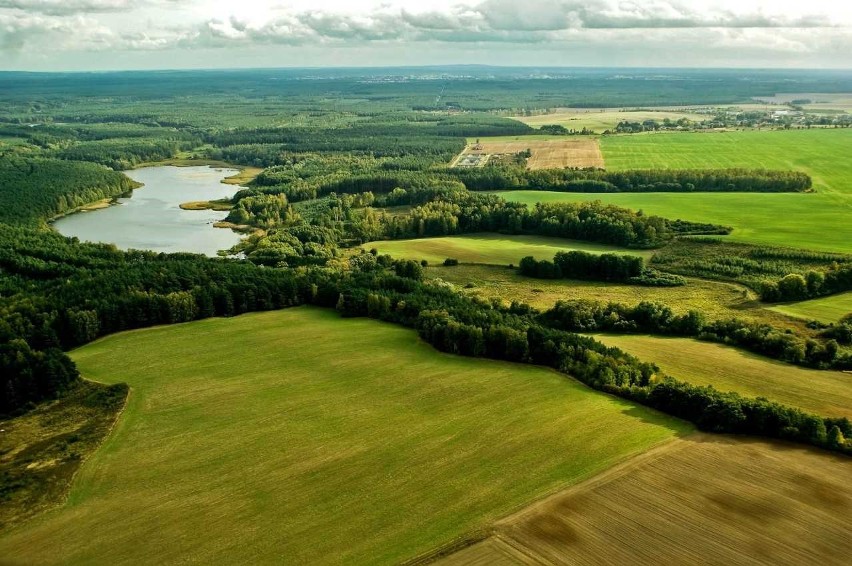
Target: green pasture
{"points": [[825, 393], [299, 437], [826, 309], [821, 153], [819, 221], [811, 221], [496, 249]]}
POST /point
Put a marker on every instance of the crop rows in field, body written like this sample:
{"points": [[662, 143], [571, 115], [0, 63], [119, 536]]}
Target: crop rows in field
{"points": [[697, 500], [334, 440], [556, 153]]}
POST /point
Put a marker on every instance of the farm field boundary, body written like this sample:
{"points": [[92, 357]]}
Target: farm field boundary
{"points": [[697, 499], [731, 369], [338, 440], [555, 153]]}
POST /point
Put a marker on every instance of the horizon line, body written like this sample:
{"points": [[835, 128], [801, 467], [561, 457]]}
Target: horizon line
{"points": [[428, 66]]}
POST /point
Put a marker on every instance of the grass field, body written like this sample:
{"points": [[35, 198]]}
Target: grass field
{"points": [[814, 221], [826, 393], [494, 249], [606, 118], [546, 152], [810, 221], [333, 441], [819, 152], [699, 500], [715, 299], [827, 309]]}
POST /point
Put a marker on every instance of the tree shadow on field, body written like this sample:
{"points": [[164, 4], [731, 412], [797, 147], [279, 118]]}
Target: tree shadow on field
{"points": [[647, 415]]}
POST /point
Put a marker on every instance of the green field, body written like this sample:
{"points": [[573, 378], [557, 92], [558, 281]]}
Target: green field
{"points": [[299, 437], [496, 249], [827, 393], [822, 153], [815, 221], [827, 309]]}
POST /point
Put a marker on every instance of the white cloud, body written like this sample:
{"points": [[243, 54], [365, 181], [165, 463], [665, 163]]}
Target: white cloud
{"points": [[46, 26], [74, 7]]}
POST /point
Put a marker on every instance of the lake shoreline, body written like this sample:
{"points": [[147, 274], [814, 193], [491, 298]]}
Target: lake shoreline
{"points": [[167, 217]]}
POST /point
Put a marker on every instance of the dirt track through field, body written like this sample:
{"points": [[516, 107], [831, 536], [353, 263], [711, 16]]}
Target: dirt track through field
{"points": [[547, 154], [702, 499]]}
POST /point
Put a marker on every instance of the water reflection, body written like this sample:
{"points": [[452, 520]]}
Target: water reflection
{"points": [[151, 218]]}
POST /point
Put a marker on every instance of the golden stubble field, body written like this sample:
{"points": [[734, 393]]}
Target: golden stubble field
{"points": [[698, 500], [546, 153]]}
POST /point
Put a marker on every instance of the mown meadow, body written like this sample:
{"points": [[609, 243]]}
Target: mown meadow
{"points": [[826, 310], [295, 436], [731, 369]]}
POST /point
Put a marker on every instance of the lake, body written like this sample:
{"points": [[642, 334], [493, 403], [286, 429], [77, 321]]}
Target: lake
{"points": [[151, 218]]}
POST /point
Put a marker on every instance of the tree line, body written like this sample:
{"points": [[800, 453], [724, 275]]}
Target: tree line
{"points": [[502, 177], [796, 286], [656, 318], [609, 267], [465, 326]]}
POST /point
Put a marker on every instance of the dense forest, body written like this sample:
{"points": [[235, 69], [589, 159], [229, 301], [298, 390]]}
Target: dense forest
{"points": [[35, 188], [467, 87]]}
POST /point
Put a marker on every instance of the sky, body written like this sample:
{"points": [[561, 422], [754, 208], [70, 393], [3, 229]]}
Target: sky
{"points": [[81, 35]]}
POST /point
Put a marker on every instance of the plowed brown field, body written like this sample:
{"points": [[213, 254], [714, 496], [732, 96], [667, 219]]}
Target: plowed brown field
{"points": [[698, 500]]}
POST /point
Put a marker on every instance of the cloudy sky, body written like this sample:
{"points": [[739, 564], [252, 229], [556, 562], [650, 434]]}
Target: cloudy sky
{"points": [[157, 34]]}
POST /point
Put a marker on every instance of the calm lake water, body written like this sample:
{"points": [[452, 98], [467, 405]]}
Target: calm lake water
{"points": [[151, 218]]}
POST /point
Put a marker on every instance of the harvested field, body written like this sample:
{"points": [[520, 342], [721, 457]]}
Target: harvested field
{"points": [[556, 153], [698, 500]]}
